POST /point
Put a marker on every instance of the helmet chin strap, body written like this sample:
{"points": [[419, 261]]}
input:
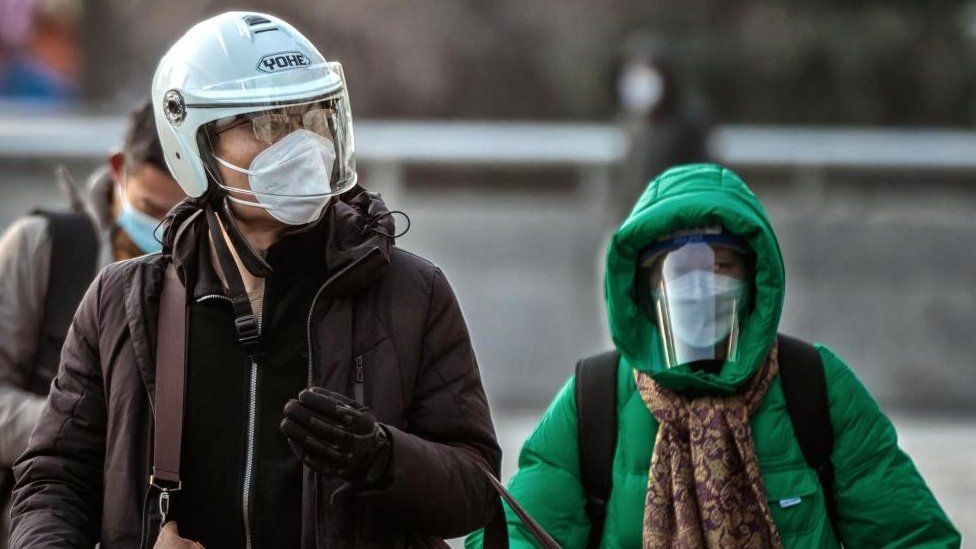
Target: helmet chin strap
{"points": [[253, 262]]}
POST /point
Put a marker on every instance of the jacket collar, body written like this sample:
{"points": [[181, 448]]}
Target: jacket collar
{"points": [[356, 235]]}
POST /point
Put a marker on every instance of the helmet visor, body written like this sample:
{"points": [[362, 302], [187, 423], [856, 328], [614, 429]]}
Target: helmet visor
{"points": [[329, 120], [698, 295]]}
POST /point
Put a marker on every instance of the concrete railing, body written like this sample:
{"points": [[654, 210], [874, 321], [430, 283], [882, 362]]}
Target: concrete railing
{"points": [[860, 149], [593, 151], [585, 145], [447, 143]]}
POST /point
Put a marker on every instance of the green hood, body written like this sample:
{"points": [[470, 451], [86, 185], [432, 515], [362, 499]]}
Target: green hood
{"points": [[680, 198]]}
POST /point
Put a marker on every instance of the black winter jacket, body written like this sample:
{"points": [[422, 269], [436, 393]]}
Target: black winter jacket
{"points": [[84, 477]]}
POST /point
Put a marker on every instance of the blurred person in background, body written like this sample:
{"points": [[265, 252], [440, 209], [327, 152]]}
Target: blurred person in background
{"points": [[666, 123], [48, 259], [39, 51], [328, 394], [706, 428]]}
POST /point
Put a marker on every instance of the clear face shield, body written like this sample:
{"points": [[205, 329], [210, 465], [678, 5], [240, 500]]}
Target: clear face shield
{"points": [[698, 294]]}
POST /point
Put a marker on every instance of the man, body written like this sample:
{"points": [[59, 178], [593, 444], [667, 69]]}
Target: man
{"points": [[127, 200], [709, 450], [331, 394]]}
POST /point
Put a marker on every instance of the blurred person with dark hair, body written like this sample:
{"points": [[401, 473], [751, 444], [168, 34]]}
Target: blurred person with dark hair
{"points": [[705, 427], [48, 258], [282, 375]]}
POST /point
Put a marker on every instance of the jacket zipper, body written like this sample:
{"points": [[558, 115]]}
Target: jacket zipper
{"points": [[145, 506], [252, 412], [358, 387], [201, 299], [311, 311]]}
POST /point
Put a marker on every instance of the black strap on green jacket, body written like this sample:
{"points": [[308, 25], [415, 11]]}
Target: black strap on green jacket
{"points": [[804, 387], [596, 412], [74, 255], [804, 384]]}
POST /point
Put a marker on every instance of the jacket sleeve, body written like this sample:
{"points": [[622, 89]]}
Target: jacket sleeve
{"points": [[25, 255], [57, 499], [436, 487], [882, 500], [547, 484]]}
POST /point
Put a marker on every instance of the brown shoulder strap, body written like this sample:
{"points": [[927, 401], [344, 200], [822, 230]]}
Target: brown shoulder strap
{"points": [[170, 383]]}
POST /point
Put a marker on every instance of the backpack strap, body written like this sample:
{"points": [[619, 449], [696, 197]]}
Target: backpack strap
{"points": [[74, 254], [805, 389], [596, 411]]}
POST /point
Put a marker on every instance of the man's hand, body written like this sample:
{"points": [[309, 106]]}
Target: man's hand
{"points": [[337, 437], [169, 538]]}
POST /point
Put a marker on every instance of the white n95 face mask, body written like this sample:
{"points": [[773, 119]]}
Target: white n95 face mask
{"points": [[290, 179], [703, 305]]}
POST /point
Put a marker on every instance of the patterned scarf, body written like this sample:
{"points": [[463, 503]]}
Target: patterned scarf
{"points": [[704, 488]]}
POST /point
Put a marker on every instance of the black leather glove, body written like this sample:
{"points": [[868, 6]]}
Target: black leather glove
{"points": [[337, 436]]}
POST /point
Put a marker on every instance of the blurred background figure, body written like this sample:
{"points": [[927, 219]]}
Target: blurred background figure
{"points": [[501, 129], [666, 124], [39, 51]]}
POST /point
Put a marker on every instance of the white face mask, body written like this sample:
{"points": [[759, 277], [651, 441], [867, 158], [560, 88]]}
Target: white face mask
{"points": [[290, 179], [703, 306]]}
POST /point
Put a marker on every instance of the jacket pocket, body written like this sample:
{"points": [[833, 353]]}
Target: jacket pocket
{"points": [[795, 500], [376, 382]]}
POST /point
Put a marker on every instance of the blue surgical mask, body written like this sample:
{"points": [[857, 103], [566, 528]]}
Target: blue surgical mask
{"points": [[141, 227]]}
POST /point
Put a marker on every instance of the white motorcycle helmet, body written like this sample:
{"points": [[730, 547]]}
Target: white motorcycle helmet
{"points": [[244, 63]]}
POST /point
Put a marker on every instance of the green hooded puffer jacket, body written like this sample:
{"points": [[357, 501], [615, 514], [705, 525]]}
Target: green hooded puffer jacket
{"points": [[881, 499]]}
